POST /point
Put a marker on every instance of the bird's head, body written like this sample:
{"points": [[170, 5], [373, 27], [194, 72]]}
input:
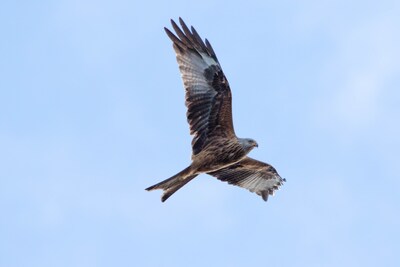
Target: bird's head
{"points": [[248, 143]]}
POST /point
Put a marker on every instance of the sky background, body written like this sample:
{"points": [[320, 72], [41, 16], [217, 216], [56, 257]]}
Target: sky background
{"points": [[92, 112]]}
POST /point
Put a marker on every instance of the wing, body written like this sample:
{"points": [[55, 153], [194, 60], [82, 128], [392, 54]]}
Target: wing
{"points": [[208, 96], [254, 175]]}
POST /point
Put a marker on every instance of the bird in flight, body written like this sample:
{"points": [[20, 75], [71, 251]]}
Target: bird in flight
{"points": [[216, 150]]}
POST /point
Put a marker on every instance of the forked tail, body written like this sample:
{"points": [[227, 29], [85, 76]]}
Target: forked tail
{"points": [[173, 184]]}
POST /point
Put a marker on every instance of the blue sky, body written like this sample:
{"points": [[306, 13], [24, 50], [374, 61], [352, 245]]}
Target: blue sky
{"points": [[92, 112]]}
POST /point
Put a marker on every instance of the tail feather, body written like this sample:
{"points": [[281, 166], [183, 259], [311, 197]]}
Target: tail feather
{"points": [[171, 190], [173, 184]]}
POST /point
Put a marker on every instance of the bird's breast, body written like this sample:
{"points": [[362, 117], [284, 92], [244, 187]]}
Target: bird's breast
{"points": [[218, 155]]}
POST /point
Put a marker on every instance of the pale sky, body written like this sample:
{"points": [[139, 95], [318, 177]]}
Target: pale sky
{"points": [[92, 112]]}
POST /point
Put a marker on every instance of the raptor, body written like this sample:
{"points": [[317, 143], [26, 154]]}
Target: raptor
{"points": [[216, 150]]}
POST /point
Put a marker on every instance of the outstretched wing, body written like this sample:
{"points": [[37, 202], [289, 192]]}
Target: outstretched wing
{"points": [[208, 96], [254, 175]]}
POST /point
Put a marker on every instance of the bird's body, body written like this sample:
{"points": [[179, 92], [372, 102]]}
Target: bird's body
{"points": [[219, 153], [216, 150]]}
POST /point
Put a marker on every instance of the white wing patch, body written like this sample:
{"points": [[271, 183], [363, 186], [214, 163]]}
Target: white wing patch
{"points": [[256, 176]]}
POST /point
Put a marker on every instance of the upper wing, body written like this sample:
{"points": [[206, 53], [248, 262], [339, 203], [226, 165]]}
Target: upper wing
{"points": [[208, 96], [253, 175]]}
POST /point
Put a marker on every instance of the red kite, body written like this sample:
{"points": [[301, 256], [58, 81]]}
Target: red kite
{"points": [[216, 150]]}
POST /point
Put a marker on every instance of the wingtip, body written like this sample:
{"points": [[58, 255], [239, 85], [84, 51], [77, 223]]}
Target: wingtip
{"points": [[264, 195], [181, 21], [173, 23]]}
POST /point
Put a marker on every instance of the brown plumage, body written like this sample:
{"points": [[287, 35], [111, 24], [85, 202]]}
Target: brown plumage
{"points": [[216, 149]]}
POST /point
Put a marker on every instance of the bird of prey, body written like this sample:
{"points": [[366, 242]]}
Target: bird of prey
{"points": [[216, 150]]}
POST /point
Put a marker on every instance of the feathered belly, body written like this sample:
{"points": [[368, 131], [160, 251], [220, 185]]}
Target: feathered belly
{"points": [[217, 156]]}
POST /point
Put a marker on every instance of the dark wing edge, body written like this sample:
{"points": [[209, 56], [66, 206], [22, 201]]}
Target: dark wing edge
{"points": [[208, 95], [256, 176]]}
